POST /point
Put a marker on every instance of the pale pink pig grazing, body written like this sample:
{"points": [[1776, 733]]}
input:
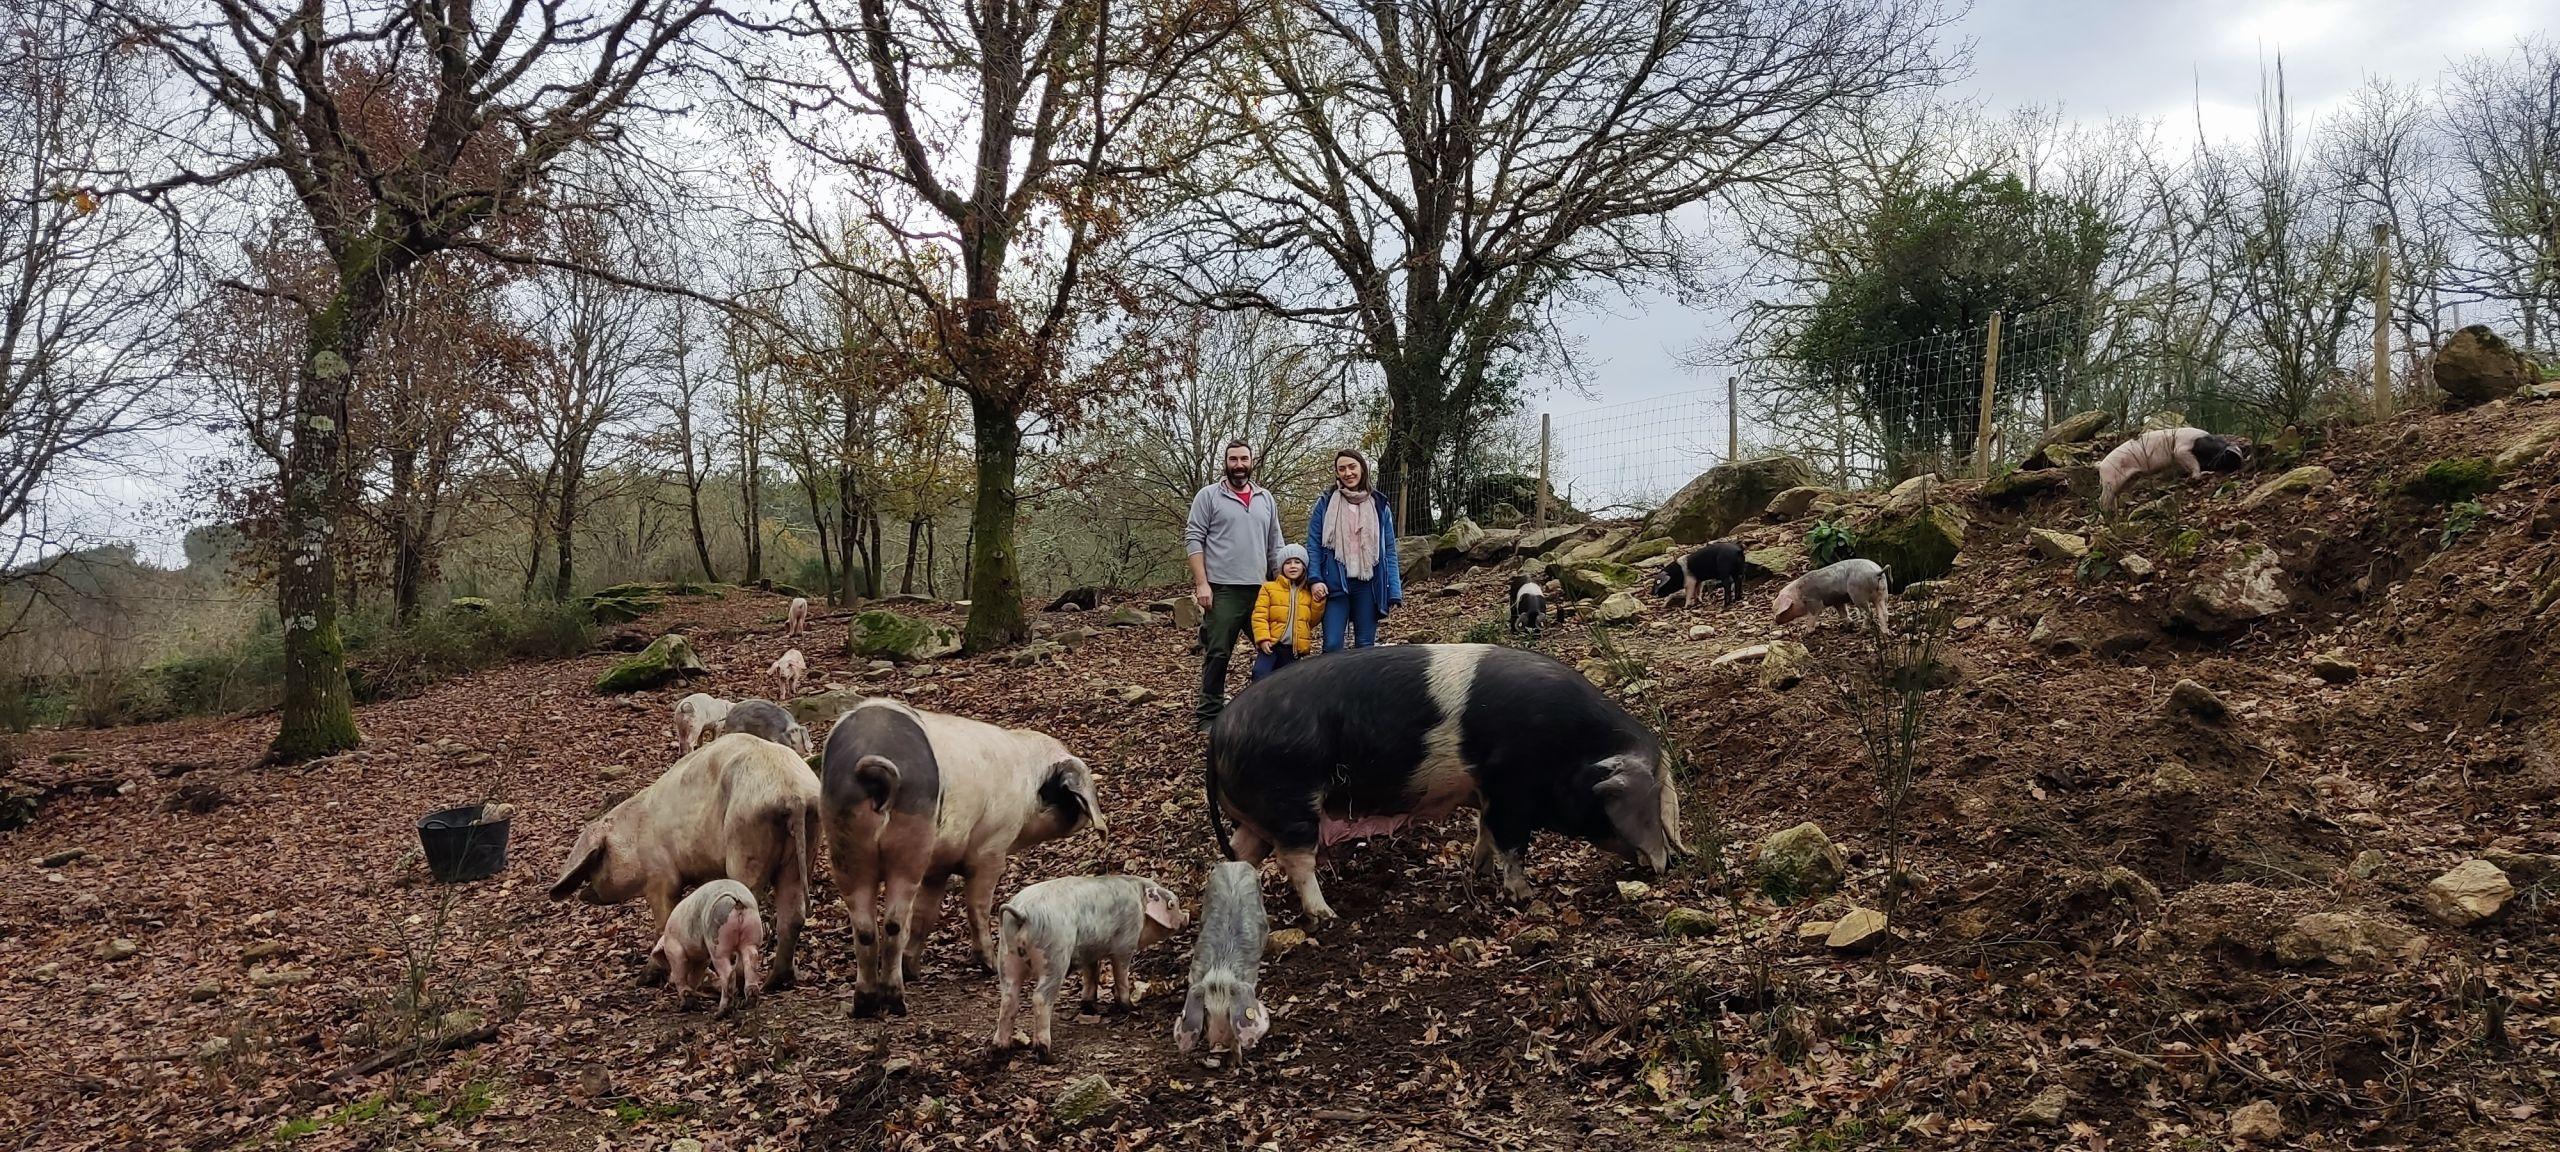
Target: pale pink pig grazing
{"points": [[699, 716], [1850, 582], [718, 924], [799, 615], [1076, 922], [788, 672]]}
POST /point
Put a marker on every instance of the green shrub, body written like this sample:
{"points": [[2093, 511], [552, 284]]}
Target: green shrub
{"points": [[2452, 480], [1831, 541], [2459, 520]]}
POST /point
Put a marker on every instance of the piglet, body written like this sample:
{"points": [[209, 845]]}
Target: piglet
{"points": [[717, 923], [1226, 964], [788, 671], [698, 716], [1079, 921], [1528, 607], [799, 615], [766, 719], [2191, 450], [1859, 582], [1720, 562]]}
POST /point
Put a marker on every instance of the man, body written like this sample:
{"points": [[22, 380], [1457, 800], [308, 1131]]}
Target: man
{"points": [[1233, 538]]}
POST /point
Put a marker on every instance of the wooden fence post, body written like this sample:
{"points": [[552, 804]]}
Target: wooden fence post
{"points": [[2381, 321], [1546, 426], [1732, 419], [1982, 419]]}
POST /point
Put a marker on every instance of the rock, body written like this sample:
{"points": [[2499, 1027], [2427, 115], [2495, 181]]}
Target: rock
{"points": [[2527, 448], [615, 606], [1495, 546], [1801, 501], [1783, 665], [2082, 480], [1599, 672], [1455, 543], [2308, 478], [882, 666], [1598, 548], [206, 990], [118, 950], [2347, 940], [2335, 666], [669, 657], [1638, 688], [593, 1082], [2368, 864], [1035, 653], [819, 709], [472, 604], [262, 950], [1540, 541], [1085, 1100], [281, 977], [1701, 631], [1916, 545], [1643, 550], [2053, 545], [1537, 939], [58, 859], [1186, 613], [2196, 700], [1413, 558], [2045, 1111], [2242, 588], [1596, 579], [1618, 608], [1634, 891], [1784, 561], [2259, 1122], [2475, 366], [2052, 639], [1815, 931], [1503, 515], [2175, 779], [213, 1048], [1862, 930], [1800, 862], [880, 634], [2076, 429], [684, 1144], [617, 771], [1132, 694], [1913, 494], [2017, 487], [2136, 567], [2471, 892], [2451, 480], [1725, 496], [2131, 887], [1684, 922], [1740, 655], [2523, 867], [1453, 590], [1286, 939], [459, 1021]]}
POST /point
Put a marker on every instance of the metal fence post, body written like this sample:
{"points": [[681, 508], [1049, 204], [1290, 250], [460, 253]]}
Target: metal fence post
{"points": [[1546, 427], [2381, 321], [1982, 419]]}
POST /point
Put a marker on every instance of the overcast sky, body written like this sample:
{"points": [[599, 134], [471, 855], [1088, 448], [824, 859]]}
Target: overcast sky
{"points": [[2172, 60]]}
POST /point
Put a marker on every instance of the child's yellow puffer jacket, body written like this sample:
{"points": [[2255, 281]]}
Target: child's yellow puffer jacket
{"points": [[1271, 614]]}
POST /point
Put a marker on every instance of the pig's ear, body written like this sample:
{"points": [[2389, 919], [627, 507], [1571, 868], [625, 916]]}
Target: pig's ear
{"points": [[1164, 908], [585, 857], [1188, 1026], [1632, 797], [1251, 1021], [1071, 777], [800, 739]]}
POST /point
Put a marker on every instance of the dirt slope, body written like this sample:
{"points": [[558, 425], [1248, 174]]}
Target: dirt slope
{"points": [[2030, 970]]}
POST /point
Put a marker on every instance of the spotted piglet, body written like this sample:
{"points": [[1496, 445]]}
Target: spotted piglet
{"points": [[1079, 921], [719, 924]]}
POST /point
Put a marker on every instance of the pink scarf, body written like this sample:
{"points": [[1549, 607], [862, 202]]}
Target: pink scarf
{"points": [[1351, 532]]}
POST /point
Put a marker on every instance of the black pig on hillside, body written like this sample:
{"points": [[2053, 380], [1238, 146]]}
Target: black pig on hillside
{"points": [[1366, 741]]}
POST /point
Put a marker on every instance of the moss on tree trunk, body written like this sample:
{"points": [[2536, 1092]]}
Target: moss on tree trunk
{"points": [[995, 581]]}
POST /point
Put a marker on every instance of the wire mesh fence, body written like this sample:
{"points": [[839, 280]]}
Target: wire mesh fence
{"points": [[1959, 403]]}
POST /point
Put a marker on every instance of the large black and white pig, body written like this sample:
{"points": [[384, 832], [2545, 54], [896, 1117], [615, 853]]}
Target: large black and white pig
{"points": [[912, 798], [1366, 741]]}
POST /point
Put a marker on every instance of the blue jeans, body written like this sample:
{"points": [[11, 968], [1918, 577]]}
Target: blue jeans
{"points": [[1355, 604], [1280, 656]]}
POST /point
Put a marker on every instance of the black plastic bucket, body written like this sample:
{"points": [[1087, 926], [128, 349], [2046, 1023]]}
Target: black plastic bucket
{"points": [[459, 847]]}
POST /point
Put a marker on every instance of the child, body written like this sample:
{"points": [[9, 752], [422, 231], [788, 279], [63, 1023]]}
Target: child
{"points": [[1285, 616]]}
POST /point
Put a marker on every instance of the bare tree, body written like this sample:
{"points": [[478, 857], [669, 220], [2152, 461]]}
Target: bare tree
{"points": [[2301, 262], [86, 289], [401, 130], [693, 445], [2502, 121], [1242, 375], [1432, 177], [585, 384], [1001, 147]]}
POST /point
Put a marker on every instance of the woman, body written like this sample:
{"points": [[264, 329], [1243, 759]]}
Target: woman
{"points": [[1351, 554]]}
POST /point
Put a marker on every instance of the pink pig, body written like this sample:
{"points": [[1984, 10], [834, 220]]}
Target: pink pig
{"points": [[799, 615], [788, 672], [718, 923]]}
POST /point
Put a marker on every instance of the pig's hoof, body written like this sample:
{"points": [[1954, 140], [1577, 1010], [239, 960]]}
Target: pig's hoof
{"points": [[781, 981], [1041, 1053], [865, 1005], [894, 1003]]}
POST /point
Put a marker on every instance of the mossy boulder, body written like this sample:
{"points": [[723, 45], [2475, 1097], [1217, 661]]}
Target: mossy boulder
{"points": [[1800, 862], [1724, 496], [669, 657], [473, 604], [1914, 545], [605, 609], [1643, 550], [1596, 579], [2307, 478], [2070, 436], [2451, 480], [2527, 448], [1599, 547], [1493, 546], [880, 634], [821, 709], [1538, 542], [1454, 544], [2019, 486], [1413, 557], [2475, 366], [2239, 589], [1784, 561], [1802, 501]]}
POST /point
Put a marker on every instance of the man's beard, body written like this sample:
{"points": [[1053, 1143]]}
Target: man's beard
{"points": [[1238, 476]]}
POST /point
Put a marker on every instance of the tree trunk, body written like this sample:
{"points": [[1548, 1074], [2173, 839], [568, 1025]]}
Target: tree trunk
{"points": [[750, 496], [871, 550], [407, 546], [995, 579], [317, 716], [693, 481], [818, 519], [564, 532], [907, 577]]}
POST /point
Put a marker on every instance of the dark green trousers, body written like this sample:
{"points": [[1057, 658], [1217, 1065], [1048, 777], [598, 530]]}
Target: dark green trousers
{"points": [[1230, 608]]}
